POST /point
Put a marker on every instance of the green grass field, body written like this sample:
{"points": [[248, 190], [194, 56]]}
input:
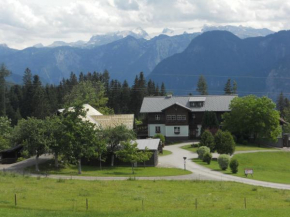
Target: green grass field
{"points": [[109, 171], [67, 198], [267, 166], [165, 153], [239, 147]]}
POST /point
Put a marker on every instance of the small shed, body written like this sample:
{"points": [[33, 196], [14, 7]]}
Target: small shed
{"points": [[10, 155], [152, 145]]}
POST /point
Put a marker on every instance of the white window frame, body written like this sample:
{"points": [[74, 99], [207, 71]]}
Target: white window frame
{"points": [[157, 117], [157, 129], [171, 117], [181, 117], [176, 130]]}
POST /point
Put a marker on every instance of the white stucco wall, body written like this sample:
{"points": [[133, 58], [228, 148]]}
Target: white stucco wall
{"points": [[169, 131], [151, 129]]}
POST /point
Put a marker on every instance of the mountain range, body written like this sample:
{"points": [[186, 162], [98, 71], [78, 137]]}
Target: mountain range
{"points": [[260, 65], [178, 60]]}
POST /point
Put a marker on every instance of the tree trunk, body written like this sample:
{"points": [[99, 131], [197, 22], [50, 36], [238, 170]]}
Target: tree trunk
{"points": [[36, 163], [56, 159], [112, 160], [100, 159], [132, 168], [80, 166]]}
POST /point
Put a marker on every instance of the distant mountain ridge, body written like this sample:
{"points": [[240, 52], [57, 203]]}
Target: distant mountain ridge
{"points": [[124, 58], [258, 64]]}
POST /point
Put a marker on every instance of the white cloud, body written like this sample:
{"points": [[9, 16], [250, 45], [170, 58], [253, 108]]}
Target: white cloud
{"points": [[27, 22]]}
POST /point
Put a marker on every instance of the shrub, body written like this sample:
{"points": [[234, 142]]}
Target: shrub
{"points": [[223, 161], [201, 151], [207, 140], [234, 164], [207, 157], [224, 142], [161, 137]]}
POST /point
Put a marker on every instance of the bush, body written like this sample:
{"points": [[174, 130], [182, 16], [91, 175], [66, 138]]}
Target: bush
{"points": [[234, 164], [207, 157], [207, 140], [201, 151], [161, 137], [223, 161], [224, 142]]}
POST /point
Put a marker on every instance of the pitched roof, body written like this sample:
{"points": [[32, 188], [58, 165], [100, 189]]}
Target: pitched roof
{"points": [[212, 103], [106, 121], [151, 144]]}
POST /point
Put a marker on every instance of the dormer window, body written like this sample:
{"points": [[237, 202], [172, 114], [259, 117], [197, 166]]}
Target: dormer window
{"points": [[196, 102]]}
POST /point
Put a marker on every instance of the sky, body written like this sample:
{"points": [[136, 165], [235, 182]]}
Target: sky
{"points": [[24, 23]]}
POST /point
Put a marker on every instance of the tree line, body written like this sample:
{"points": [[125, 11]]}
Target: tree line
{"points": [[33, 99]]}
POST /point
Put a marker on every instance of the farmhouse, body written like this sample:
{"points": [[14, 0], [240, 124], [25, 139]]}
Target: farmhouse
{"points": [[106, 121], [180, 117]]}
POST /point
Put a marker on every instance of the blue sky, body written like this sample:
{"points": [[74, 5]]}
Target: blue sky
{"points": [[24, 23]]}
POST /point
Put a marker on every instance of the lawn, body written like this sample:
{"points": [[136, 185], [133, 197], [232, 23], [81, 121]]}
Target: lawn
{"points": [[165, 153], [267, 166], [239, 147], [109, 171], [54, 198]]}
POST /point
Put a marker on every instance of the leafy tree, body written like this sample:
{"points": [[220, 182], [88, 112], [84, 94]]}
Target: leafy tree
{"points": [[31, 133], [207, 140], [223, 161], [79, 136], [87, 92], [115, 136], [281, 104], [161, 137], [228, 87], [4, 72], [209, 120], [130, 153], [202, 86], [224, 142], [253, 116], [5, 133]]}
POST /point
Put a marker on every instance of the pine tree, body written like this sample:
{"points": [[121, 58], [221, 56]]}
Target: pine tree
{"points": [[4, 72], [27, 91], [125, 98], [163, 90], [281, 104], [228, 87], [202, 86], [235, 88]]}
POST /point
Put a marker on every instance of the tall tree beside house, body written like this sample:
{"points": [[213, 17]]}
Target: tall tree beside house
{"points": [[253, 116], [202, 86], [115, 136], [125, 98], [78, 137], [228, 87], [4, 72], [209, 121]]}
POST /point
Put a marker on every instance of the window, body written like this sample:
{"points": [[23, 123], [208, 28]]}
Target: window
{"points": [[176, 130], [181, 117], [171, 117], [157, 117], [157, 130], [196, 104]]}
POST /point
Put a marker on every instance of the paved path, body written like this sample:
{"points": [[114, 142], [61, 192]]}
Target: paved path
{"points": [[176, 160]]}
